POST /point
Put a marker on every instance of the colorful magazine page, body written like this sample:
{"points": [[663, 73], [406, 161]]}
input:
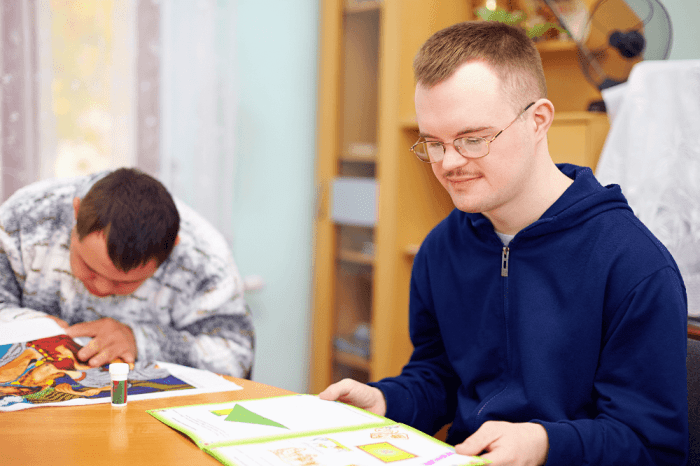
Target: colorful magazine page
{"points": [[370, 446]]}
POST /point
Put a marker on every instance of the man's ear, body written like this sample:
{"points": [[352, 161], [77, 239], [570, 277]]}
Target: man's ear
{"points": [[177, 240], [543, 112], [76, 206]]}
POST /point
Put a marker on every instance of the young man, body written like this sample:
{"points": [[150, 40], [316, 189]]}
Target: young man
{"points": [[113, 257], [548, 324]]}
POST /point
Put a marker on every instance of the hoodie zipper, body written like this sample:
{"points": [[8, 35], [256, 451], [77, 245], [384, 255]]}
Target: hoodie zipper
{"points": [[505, 253], [504, 261]]}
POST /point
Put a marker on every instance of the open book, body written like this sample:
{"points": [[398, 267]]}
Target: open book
{"points": [[303, 430]]}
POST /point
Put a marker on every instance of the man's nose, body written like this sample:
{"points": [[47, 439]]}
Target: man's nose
{"points": [[452, 158], [102, 285]]}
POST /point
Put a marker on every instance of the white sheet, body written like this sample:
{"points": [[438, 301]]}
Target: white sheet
{"points": [[653, 152]]}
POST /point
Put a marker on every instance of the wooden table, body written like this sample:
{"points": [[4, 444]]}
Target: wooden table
{"points": [[103, 435]]}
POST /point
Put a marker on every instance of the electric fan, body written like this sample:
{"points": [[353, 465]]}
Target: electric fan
{"points": [[614, 36]]}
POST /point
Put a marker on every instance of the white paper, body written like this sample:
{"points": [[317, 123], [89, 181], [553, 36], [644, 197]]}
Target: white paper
{"points": [[19, 331]]}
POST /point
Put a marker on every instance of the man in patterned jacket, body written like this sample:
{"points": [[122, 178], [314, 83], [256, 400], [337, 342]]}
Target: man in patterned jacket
{"points": [[113, 257]]}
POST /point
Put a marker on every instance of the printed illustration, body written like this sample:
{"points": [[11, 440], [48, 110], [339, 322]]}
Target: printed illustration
{"points": [[240, 414], [387, 432], [386, 452], [297, 456], [311, 452], [47, 370], [326, 445]]}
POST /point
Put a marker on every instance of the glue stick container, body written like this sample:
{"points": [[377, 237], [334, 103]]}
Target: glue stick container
{"points": [[118, 371]]}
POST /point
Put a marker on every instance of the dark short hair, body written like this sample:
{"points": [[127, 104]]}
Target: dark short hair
{"points": [[136, 214], [505, 49]]}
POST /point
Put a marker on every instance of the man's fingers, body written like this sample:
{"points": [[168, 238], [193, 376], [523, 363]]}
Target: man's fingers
{"points": [[99, 360], [110, 340], [108, 354], [479, 441], [83, 329], [507, 443], [335, 391], [471, 446], [357, 394], [89, 350]]}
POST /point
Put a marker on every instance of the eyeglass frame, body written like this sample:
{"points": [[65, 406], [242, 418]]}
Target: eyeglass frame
{"points": [[487, 141]]}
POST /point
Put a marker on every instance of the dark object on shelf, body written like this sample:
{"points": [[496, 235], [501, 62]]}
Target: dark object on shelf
{"points": [[358, 343], [597, 106]]}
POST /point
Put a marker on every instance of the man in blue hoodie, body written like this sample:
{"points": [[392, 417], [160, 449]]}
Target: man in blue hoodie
{"points": [[548, 323]]}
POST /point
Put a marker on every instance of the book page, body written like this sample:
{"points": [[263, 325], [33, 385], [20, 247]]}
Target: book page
{"points": [[372, 446], [259, 419]]}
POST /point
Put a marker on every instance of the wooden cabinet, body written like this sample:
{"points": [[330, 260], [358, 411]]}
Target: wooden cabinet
{"points": [[366, 124], [576, 136]]}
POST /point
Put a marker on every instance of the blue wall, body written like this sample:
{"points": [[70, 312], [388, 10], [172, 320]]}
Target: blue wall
{"points": [[277, 44], [685, 20]]}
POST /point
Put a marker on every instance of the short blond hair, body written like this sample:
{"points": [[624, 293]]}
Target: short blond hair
{"points": [[506, 49]]}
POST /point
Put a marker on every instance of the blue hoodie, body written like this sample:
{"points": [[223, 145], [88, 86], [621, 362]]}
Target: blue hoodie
{"points": [[578, 325]]}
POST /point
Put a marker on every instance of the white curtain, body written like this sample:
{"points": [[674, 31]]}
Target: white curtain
{"points": [[198, 107], [653, 152], [70, 73], [89, 85], [18, 96]]}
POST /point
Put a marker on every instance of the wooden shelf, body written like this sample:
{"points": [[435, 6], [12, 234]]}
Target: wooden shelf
{"points": [[355, 6], [347, 158], [582, 116], [578, 137], [355, 257], [365, 85], [352, 360], [551, 46]]}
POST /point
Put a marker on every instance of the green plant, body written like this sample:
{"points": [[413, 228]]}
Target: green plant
{"points": [[516, 18], [539, 29], [501, 15]]}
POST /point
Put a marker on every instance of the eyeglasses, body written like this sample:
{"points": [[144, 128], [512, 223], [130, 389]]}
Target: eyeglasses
{"points": [[468, 147]]}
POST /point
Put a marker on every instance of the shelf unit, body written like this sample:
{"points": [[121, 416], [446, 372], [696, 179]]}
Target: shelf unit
{"points": [[366, 123]]}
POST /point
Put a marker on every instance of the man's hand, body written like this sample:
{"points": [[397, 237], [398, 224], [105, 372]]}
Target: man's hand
{"points": [[110, 340], [357, 394], [523, 444]]}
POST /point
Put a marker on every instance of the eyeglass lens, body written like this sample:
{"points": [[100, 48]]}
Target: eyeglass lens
{"points": [[467, 147]]}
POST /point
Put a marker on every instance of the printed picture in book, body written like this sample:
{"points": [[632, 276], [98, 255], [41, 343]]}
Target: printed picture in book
{"points": [[47, 371]]}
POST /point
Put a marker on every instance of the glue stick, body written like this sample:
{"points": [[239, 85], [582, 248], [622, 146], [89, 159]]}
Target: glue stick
{"points": [[118, 371]]}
